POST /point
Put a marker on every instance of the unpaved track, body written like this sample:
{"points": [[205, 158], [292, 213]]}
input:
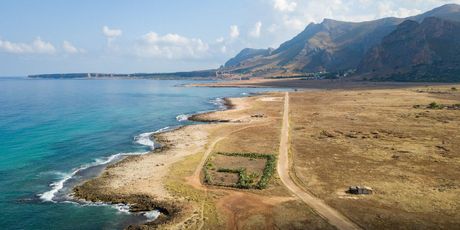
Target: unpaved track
{"points": [[195, 180], [331, 215]]}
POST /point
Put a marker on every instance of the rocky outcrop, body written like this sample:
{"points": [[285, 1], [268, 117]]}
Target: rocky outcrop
{"points": [[426, 51]]}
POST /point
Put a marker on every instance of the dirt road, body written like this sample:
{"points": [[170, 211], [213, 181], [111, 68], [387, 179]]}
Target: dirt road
{"points": [[195, 179], [331, 215]]}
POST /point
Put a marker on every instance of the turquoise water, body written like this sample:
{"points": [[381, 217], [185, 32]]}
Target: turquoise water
{"points": [[51, 128]]}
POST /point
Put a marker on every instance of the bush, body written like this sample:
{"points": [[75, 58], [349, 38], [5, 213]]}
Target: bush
{"points": [[245, 180], [225, 170], [269, 169], [207, 177], [434, 105]]}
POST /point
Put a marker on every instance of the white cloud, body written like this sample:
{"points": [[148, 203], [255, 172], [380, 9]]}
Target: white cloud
{"points": [[386, 9], [293, 23], [111, 33], [255, 32], [234, 31], [37, 46], [170, 46], [284, 5], [292, 16], [223, 49], [220, 39], [70, 48], [273, 28]]}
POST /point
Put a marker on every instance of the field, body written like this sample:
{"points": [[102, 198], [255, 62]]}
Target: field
{"points": [[240, 170], [404, 143], [249, 208]]}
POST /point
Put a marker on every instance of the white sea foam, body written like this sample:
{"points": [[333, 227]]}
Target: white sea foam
{"points": [[124, 208], [144, 138], [55, 187], [219, 102], [152, 215], [183, 117], [58, 185]]}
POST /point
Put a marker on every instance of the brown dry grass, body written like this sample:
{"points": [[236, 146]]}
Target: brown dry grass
{"points": [[228, 208], [376, 138]]}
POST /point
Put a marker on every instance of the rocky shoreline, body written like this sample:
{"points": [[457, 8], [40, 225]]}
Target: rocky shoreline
{"points": [[103, 188], [203, 117], [170, 210]]}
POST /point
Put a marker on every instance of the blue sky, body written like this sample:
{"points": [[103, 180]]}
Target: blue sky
{"points": [[54, 36]]}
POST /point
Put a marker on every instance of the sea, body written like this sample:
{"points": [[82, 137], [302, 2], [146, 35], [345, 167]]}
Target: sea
{"points": [[56, 133]]}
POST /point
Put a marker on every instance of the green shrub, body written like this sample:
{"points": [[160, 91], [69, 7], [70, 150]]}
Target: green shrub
{"points": [[207, 177], [225, 170], [210, 165], [245, 180], [269, 170], [434, 105]]}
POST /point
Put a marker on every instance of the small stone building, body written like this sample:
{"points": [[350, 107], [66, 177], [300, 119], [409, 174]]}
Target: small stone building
{"points": [[360, 190]]}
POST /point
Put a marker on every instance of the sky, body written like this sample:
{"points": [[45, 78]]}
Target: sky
{"points": [[121, 36]]}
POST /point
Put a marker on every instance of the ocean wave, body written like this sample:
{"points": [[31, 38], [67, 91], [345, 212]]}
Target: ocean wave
{"points": [[183, 117], [56, 186], [59, 185], [144, 138], [219, 102], [152, 215]]}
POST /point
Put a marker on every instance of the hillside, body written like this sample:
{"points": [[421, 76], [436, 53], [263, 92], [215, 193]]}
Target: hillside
{"points": [[330, 46], [427, 51]]}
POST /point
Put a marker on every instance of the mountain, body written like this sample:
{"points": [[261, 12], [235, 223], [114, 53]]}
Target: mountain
{"points": [[330, 46], [247, 54], [448, 12], [426, 51]]}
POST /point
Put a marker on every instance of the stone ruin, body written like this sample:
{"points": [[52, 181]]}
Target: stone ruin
{"points": [[360, 190]]}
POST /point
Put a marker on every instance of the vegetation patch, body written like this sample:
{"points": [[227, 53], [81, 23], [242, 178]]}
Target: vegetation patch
{"points": [[434, 105], [252, 170]]}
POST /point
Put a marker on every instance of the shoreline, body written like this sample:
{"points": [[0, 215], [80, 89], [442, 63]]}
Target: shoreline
{"points": [[201, 117], [161, 200], [301, 84]]}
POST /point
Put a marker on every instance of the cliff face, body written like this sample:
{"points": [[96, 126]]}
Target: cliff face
{"points": [[381, 45], [333, 45], [426, 51], [330, 45]]}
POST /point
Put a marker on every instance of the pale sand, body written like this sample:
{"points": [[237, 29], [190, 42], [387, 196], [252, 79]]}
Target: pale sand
{"points": [[145, 174]]}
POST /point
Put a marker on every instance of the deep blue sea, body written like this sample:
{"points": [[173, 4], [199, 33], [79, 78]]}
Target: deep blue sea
{"points": [[51, 130]]}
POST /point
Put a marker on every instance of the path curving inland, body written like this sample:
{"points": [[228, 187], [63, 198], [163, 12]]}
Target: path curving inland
{"points": [[328, 213]]}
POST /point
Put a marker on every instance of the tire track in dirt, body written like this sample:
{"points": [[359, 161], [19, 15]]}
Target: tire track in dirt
{"points": [[319, 206]]}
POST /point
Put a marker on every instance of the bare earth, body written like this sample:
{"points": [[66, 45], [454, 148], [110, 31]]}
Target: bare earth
{"points": [[330, 139], [331, 215]]}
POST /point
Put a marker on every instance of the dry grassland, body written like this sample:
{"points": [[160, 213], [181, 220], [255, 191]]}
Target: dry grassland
{"points": [[410, 156]]}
